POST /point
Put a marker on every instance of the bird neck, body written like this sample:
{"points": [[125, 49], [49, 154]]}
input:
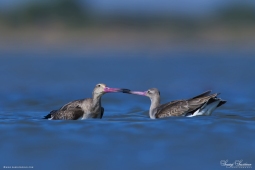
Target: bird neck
{"points": [[155, 102], [96, 100]]}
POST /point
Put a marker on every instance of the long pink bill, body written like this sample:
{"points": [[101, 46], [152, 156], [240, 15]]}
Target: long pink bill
{"points": [[111, 90]]}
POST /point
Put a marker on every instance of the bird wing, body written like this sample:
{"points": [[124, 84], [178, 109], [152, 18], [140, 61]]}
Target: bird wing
{"points": [[71, 105], [174, 108], [202, 95], [182, 107], [194, 103], [69, 114], [71, 111]]}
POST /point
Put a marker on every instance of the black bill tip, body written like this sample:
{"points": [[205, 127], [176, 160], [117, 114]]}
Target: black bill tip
{"points": [[125, 90]]}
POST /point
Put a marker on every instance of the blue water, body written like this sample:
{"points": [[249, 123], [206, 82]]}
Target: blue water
{"points": [[34, 83]]}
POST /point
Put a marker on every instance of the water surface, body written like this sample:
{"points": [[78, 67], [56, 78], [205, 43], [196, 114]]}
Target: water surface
{"points": [[32, 84]]}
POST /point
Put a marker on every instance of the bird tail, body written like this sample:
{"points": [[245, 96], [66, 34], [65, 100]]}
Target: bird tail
{"points": [[221, 103], [208, 107], [49, 116]]}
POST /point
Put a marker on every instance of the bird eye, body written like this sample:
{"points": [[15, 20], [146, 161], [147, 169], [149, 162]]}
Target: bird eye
{"points": [[149, 91], [98, 85]]}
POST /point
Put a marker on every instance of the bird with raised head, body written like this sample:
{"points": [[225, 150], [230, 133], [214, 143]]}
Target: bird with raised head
{"points": [[84, 108], [203, 104]]}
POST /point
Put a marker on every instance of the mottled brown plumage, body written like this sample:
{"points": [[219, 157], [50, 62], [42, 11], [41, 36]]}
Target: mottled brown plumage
{"points": [[202, 104], [182, 107], [84, 108]]}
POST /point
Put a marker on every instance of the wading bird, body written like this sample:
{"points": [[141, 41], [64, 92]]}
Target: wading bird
{"points": [[203, 104], [84, 108]]}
